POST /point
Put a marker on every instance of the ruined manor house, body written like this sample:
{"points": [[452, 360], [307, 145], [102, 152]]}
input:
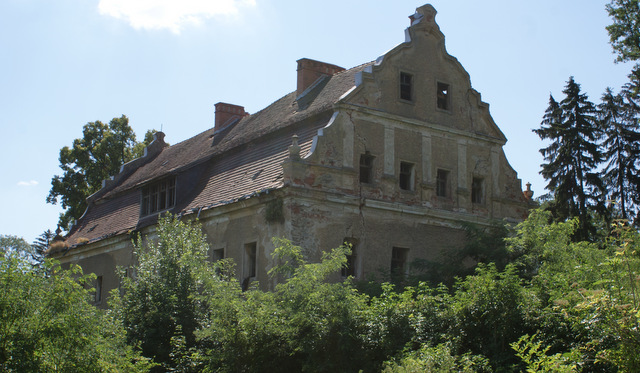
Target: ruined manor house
{"points": [[390, 156]]}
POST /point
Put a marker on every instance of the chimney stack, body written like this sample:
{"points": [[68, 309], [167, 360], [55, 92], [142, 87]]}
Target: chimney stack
{"points": [[309, 71], [225, 113]]}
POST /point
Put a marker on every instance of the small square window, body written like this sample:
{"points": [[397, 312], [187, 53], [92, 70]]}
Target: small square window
{"points": [[366, 168], [217, 254], [406, 86], [442, 183], [406, 177], [477, 190], [443, 95]]}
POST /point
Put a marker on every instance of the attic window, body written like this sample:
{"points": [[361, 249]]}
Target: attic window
{"points": [[406, 86], [158, 196], [444, 97]]}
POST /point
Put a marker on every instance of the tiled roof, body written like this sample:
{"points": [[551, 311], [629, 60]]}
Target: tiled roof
{"points": [[236, 162]]}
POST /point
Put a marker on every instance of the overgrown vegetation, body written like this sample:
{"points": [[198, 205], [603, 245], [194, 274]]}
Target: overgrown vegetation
{"points": [[559, 294], [559, 305]]}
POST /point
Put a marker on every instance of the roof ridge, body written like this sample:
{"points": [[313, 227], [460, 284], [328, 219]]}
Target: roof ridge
{"points": [[353, 68]]}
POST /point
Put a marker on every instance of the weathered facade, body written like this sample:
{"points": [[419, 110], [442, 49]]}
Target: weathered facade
{"points": [[391, 156]]}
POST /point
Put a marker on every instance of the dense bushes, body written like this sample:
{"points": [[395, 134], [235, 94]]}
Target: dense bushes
{"points": [[558, 306]]}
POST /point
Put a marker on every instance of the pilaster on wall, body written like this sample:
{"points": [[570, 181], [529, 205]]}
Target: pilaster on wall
{"points": [[427, 169], [347, 143], [463, 186], [427, 157], [389, 151], [495, 187]]}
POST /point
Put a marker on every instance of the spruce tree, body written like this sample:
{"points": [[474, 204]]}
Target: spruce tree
{"points": [[618, 117], [572, 158]]}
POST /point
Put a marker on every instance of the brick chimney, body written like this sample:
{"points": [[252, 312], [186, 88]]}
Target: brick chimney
{"points": [[309, 71], [225, 113]]}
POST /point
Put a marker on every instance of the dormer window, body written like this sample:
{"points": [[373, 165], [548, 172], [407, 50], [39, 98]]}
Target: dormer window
{"points": [[443, 96], [406, 86], [158, 196]]}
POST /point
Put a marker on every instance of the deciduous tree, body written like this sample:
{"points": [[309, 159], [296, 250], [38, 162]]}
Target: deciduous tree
{"points": [[99, 154], [624, 33], [161, 306]]}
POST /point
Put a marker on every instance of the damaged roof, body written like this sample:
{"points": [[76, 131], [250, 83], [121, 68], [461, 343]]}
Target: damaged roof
{"points": [[220, 166]]}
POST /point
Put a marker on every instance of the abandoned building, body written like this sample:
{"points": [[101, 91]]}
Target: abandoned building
{"points": [[391, 156]]}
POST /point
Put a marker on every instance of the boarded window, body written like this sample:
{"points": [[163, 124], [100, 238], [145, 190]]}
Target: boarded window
{"points": [[406, 177], [366, 168], [444, 96], [406, 86]]}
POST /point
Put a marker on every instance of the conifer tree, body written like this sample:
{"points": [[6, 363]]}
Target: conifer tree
{"points": [[618, 117], [572, 158]]}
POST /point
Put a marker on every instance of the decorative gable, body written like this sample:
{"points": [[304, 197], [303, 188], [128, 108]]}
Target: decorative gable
{"points": [[418, 79]]}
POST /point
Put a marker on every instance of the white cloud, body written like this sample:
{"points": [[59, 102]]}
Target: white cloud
{"points": [[169, 14], [27, 183]]}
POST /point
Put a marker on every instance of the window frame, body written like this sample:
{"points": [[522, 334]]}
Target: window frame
{"points": [[477, 190], [399, 262], [406, 86], [158, 196], [98, 289], [250, 263], [442, 184], [366, 164], [407, 178]]}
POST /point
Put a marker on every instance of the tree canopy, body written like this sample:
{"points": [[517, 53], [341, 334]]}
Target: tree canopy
{"points": [[624, 32], [572, 157], [99, 154]]}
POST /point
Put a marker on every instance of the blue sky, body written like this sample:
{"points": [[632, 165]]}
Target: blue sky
{"points": [[64, 63]]}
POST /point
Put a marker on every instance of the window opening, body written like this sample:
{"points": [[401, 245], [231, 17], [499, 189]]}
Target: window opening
{"points": [[399, 262], [250, 263], [407, 177], [350, 269], [477, 190], [406, 86], [443, 96], [366, 168], [98, 293], [218, 254], [158, 196], [442, 183]]}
